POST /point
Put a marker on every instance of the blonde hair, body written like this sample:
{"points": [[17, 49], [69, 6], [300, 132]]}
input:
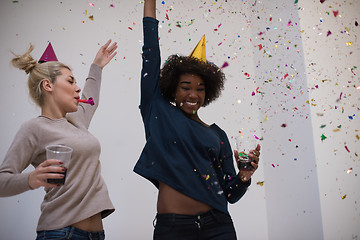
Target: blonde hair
{"points": [[37, 73]]}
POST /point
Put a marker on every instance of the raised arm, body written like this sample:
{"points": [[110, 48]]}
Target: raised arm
{"points": [[151, 57], [150, 8], [85, 112], [105, 54]]}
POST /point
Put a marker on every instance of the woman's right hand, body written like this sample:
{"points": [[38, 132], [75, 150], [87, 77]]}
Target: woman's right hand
{"points": [[47, 169]]}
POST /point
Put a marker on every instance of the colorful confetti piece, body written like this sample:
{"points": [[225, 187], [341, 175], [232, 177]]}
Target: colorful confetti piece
{"points": [[261, 183]]}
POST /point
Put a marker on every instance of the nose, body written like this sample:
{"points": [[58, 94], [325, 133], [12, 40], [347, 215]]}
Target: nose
{"points": [[77, 89], [192, 94]]}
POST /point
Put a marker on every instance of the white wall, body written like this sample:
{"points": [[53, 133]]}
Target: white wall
{"points": [[334, 96], [304, 178]]}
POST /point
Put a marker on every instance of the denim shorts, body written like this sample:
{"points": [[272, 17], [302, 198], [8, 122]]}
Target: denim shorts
{"points": [[70, 233], [212, 225]]}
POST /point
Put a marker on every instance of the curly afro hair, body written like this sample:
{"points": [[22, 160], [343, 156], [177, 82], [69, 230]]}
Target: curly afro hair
{"points": [[176, 65]]}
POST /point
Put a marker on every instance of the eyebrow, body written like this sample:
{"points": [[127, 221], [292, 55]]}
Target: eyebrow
{"points": [[72, 78], [187, 82]]}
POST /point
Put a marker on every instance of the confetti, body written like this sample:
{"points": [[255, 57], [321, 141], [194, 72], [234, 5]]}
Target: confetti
{"points": [[91, 18], [349, 171], [323, 137], [261, 183], [206, 177], [343, 197], [226, 64], [347, 149]]}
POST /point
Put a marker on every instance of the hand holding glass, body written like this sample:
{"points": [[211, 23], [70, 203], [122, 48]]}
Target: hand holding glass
{"points": [[62, 153], [243, 146]]}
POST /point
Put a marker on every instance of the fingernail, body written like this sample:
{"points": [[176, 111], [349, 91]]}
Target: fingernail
{"points": [[60, 162]]}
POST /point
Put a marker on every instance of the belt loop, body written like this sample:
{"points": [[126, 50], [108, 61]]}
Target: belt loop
{"points": [[71, 231], [173, 222], [214, 215]]}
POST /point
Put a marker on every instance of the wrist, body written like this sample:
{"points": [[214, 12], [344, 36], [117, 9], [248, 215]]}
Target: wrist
{"points": [[244, 179], [30, 187]]}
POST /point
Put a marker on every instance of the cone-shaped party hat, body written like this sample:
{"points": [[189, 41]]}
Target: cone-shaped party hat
{"points": [[48, 55], [200, 50]]}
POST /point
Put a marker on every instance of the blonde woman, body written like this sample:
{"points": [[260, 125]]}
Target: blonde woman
{"points": [[73, 210]]}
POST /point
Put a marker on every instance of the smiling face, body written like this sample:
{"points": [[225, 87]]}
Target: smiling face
{"points": [[190, 94], [66, 92]]}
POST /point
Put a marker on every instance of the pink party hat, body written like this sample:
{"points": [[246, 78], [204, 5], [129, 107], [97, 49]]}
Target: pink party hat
{"points": [[48, 55]]}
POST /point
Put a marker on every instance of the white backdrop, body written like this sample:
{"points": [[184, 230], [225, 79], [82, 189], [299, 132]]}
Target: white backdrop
{"points": [[292, 80]]}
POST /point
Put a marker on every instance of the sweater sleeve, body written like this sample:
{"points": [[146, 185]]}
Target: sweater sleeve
{"points": [[82, 117], [151, 62], [18, 157], [232, 186]]}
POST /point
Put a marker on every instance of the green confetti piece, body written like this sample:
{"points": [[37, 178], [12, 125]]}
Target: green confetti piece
{"points": [[242, 154], [323, 137]]}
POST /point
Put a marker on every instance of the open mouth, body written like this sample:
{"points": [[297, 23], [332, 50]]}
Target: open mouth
{"points": [[191, 103]]}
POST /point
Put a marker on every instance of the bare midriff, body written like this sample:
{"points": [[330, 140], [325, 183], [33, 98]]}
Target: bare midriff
{"points": [[172, 201], [91, 224]]}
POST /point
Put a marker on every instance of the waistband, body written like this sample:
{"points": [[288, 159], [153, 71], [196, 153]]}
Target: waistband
{"points": [[211, 213], [76, 231]]}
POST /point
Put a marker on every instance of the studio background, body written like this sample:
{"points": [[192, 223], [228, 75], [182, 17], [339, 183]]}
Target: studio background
{"points": [[292, 80]]}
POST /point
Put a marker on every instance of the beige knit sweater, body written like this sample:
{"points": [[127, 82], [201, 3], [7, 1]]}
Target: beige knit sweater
{"points": [[84, 192]]}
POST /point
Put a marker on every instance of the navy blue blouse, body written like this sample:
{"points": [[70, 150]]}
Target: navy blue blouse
{"points": [[193, 159]]}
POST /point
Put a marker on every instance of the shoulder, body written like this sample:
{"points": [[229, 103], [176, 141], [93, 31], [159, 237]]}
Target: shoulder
{"points": [[32, 124], [217, 129], [37, 124], [30, 129]]}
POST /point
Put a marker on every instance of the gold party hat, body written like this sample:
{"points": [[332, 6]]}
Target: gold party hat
{"points": [[200, 50]]}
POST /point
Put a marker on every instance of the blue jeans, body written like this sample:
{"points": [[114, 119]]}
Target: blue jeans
{"points": [[70, 233], [213, 225]]}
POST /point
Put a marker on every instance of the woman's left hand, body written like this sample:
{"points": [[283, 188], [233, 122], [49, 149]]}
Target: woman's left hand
{"points": [[254, 155], [105, 54]]}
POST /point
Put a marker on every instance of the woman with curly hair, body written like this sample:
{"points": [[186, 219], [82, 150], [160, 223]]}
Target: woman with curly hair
{"points": [[189, 161]]}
